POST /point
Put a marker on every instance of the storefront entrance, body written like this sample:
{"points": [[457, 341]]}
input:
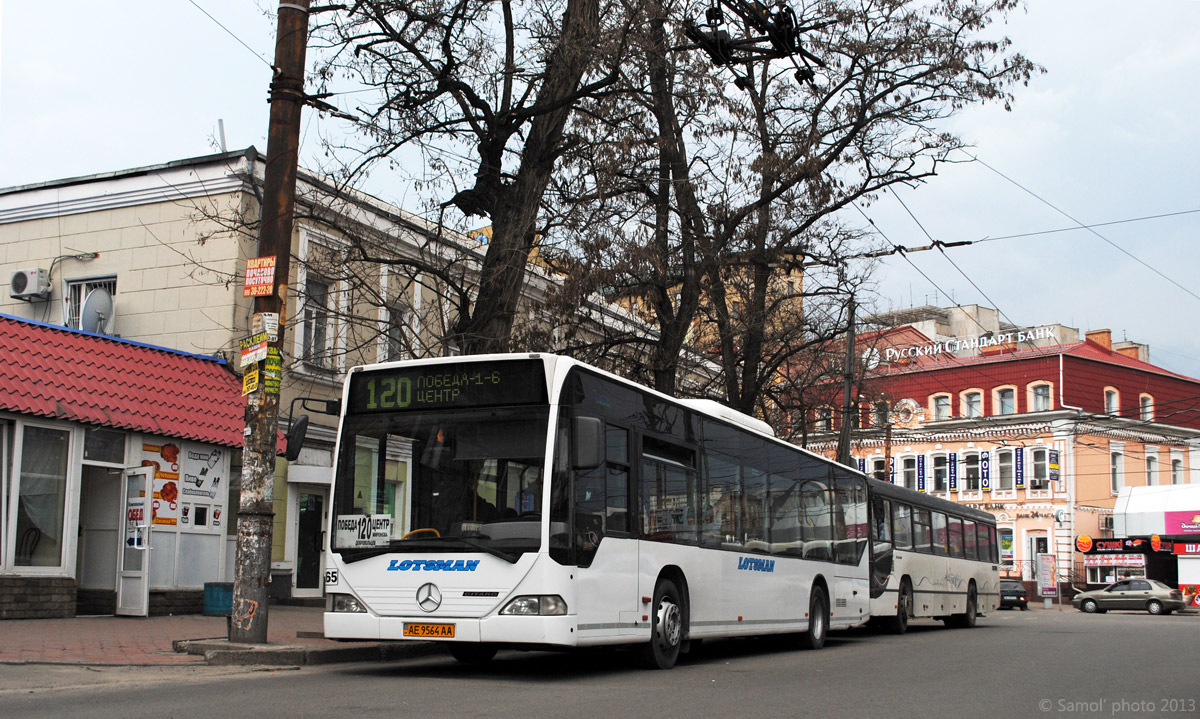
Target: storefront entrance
{"points": [[309, 512], [133, 572]]}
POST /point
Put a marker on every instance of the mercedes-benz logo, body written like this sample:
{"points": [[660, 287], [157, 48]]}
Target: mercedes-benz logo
{"points": [[429, 597]]}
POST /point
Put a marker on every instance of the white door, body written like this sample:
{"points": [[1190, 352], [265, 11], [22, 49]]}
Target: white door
{"points": [[133, 564], [309, 513]]}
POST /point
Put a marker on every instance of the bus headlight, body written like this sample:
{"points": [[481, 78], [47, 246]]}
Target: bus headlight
{"points": [[346, 603], [534, 605]]}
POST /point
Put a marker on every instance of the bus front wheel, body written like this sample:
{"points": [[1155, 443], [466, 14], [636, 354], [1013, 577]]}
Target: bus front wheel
{"points": [[818, 619], [666, 629]]}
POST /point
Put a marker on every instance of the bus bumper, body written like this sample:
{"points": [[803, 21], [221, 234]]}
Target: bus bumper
{"points": [[558, 631]]}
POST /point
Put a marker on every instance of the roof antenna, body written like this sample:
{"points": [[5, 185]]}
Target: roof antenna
{"points": [[221, 133]]}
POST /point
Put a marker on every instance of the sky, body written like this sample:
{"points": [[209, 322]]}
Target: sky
{"points": [[1108, 135]]}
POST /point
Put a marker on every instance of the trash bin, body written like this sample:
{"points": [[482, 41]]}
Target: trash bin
{"points": [[218, 599]]}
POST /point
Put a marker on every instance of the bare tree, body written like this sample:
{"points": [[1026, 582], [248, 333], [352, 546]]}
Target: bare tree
{"points": [[700, 196], [495, 80]]}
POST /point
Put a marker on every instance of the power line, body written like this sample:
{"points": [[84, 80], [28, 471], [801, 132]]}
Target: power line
{"points": [[232, 35], [1082, 225], [1087, 227]]}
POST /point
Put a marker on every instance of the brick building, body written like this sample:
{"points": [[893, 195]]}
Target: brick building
{"points": [[1038, 426]]}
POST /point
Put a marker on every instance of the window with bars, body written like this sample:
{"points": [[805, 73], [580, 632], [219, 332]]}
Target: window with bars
{"points": [[77, 292]]}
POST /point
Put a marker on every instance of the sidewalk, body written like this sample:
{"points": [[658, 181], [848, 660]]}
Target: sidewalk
{"points": [[294, 637]]}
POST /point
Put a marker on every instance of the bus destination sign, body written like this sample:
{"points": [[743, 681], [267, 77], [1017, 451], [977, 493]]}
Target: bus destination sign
{"points": [[441, 386]]}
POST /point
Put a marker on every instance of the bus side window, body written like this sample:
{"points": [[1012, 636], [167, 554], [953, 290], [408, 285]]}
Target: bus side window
{"points": [[881, 516], [922, 541], [939, 533], [969, 541], [954, 537], [902, 526]]}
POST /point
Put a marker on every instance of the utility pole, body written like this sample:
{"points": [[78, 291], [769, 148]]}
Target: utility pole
{"points": [[843, 445], [248, 622]]}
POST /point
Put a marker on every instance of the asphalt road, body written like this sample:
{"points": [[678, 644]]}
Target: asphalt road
{"points": [[1013, 664]]}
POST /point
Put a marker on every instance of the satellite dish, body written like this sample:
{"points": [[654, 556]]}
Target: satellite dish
{"points": [[96, 313]]}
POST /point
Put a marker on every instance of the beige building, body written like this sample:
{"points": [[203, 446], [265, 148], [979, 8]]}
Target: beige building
{"points": [[169, 244]]}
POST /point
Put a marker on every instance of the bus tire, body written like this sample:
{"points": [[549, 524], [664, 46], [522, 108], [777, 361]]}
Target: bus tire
{"points": [[666, 629], [904, 605], [966, 620], [473, 653], [818, 619]]}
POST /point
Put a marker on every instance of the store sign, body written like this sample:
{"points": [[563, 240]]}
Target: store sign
{"points": [[1115, 546], [1019, 467], [920, 473], [1182, 522], [985, 471], [1054, 468], [1185, 548], [950, 346], [952, 466], [1114, 560], [1083, 543]]}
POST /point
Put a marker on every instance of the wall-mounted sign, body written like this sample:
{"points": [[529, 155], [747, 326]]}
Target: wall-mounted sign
{"points": [[1019, 467], [1182, 522], [1052, 459], [952, 466], [260, 277], [968, 344], [985, 471], [920, 473]]}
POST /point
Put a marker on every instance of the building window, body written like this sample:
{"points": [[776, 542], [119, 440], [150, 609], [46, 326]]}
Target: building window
{"points": [[972, 405], [38, 535], [1040, 398], [941, 466], [1176, 471], [1006, 401], [1116, 467], [77, 292], [879, 469], [1151, 471], [908, 477], [1112, 401], [824, 419], [941, 407], [395, 334], [971, 473], [315, 322], [881, 414], [1146, 406], [1004, 469], [1039, 476]]}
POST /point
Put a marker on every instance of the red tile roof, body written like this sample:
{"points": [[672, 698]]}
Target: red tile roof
{"points": [[51, 371]]}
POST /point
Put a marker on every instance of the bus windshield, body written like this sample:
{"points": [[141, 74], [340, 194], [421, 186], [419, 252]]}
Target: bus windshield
{"points": [[451, 481]]}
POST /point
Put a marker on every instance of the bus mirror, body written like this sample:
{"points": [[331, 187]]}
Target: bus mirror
{"points": [[295, 438], [588, 442]]}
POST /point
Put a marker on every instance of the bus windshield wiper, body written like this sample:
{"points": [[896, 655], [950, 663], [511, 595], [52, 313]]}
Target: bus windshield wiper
{"points": [[510, 558]]}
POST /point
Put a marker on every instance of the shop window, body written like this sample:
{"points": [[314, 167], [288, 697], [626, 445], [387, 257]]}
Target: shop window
{"points": [[40, 494], [972, 404]]}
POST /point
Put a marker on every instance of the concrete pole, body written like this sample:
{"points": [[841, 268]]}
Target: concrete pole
{"points": [[848, 398], [248, 622]]}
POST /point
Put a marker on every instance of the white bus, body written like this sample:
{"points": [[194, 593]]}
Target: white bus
{"points": [[532, 501]]}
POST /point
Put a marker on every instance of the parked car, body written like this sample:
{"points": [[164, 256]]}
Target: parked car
{"points": [[1013, 594], [1149, 594]]}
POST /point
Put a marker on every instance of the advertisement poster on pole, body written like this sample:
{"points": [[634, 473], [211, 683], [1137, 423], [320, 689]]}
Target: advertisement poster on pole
{"points": [[1047, 574]]}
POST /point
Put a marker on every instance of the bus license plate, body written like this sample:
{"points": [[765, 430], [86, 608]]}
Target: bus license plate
{"points": [[440, 631]]}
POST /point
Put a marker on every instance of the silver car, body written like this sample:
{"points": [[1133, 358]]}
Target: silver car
{"points": [[1148, 594]]}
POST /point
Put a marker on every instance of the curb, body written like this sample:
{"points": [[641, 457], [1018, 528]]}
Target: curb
{"points": [[222, 652]]}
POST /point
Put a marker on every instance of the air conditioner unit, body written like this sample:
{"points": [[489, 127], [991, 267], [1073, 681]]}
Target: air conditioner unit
{"points": [[1106, 522], [29, 284]]}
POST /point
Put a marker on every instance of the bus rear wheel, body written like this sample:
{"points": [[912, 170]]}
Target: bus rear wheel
{"points": [[966, 620], [904, 608], [666, 629], [818, 619]]}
